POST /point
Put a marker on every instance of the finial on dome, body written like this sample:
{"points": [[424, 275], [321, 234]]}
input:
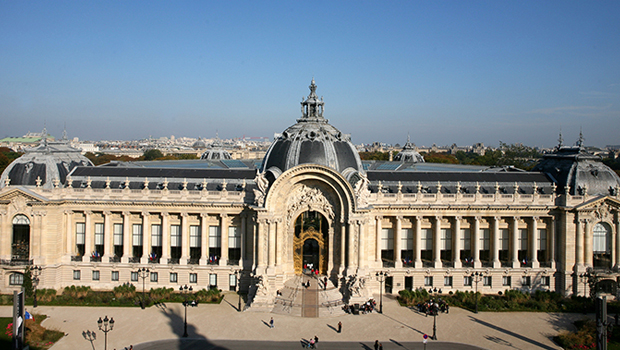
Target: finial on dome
{"points": [[581, 139], [560, 140]]}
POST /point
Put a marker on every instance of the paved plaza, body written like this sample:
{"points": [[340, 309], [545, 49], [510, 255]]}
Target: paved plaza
{"points": [[397, 328]]}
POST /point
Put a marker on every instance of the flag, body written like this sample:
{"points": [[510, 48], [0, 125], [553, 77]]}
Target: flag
{"points": [[29, 316]]}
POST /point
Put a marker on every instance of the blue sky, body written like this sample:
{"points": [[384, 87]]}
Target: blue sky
{"points": [[443, 71]]}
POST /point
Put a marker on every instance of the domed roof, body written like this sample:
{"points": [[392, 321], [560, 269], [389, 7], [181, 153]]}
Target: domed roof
{"points": [[44, 164], [579, 169], [312, 140], [199, 144], [216, 151], [409, 154]]}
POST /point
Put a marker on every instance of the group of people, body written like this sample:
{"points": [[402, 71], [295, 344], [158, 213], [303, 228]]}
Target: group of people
{"points": [[364, 308], [431, 307], [311, 344]]}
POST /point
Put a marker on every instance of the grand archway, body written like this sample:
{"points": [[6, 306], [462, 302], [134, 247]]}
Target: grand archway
{"points": [[310, 244], [20, 245]]}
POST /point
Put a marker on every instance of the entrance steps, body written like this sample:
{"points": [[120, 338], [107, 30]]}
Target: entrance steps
{"points": [[314, 301]]}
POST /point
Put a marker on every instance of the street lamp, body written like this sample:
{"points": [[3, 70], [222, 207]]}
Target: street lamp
{"points": [[35, 272], [103, 326], [143, 273], [184, 290], [381, 276], [477, 277], [435, 308], [585, 277]]}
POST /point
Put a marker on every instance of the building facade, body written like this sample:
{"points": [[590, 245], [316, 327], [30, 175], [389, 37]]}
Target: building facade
{"points": [[255, 225]]}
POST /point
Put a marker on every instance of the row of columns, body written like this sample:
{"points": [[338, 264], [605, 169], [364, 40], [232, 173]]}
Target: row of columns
{"points": [[225, 221], [474, 240]]}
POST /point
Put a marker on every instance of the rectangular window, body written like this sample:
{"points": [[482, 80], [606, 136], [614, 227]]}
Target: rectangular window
{"points": [[465, 239], [95, 275], [193, 278], [212, 280], [526, 281], [118, 234], [16, 279], [487, 281], [99, 235], [175, 236], [428, 281], [234, 237], [387, 239], [137, 235], [232, 282], [80, 233], [154, 277], [467, 281], [522, 239], [115, 276], [134, 277], [504, 237], [406, 239], [447, 281], [427, 239], [156, 235], [77, 275], [485, 239], [506, 281], [542, 239], [446, 239], [599, 237], [215, 240], [195, 240], [544, 280], [174, 277]]}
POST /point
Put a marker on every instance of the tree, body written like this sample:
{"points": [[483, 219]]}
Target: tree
{"points": [[152, 154], [27, 284]]}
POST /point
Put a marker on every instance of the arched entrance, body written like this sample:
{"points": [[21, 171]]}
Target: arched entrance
{"points": [[310, 244], [20, 246]]}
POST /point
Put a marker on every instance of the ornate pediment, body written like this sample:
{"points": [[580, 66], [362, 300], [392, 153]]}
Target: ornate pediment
{"points": [[21, 195], [602, 208], [309, 198]]}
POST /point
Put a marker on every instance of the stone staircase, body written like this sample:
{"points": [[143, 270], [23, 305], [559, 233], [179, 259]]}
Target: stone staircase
{"points": [[314, 301]]}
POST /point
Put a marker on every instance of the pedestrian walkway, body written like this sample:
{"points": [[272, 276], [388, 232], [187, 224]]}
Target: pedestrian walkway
{"points": [[310, 298], [518, 330]]}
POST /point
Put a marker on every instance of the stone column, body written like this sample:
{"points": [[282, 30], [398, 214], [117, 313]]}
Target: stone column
{"points": [[437, 242], [343, 245], [5, 244], [418, 242], [496, 242], [278, 243], [579, 246], [146, 237], [378, 245], [224, 223], [165, 238], [514, 243], [360, 242], [88, 235], [475, 244], [456, 237], [351, 256], [551, 241], [588, 243], [617, 235], [534, 243], [244, 227], [330, 257], [127, 232], [260, 254], [272, 243], [70, 248], [397, 242], [204, 238], [184, 239], [108, 236]]}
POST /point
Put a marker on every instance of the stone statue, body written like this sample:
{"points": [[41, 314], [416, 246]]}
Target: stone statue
{"points": [[361, 191], [261, 191]]}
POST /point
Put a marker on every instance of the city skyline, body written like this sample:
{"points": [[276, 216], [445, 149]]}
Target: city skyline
{"points": [[449, 72]]}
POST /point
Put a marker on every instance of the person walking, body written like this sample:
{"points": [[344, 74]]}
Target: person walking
{"points": [[339, 327], [376, 344], [271, 323], [380, 346]]}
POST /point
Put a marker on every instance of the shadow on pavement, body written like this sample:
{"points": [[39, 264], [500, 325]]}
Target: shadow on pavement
{"points": [[513, 334]]}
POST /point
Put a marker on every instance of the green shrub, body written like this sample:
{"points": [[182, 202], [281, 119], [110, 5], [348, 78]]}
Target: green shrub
{"points": [[208, 296]]}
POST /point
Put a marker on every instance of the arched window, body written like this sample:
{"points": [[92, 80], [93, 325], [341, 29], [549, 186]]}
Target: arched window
{"points": [[601, 245], [21, 220], [20, 245], [16, 279]]}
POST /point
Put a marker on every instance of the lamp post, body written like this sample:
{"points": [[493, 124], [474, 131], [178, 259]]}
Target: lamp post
{"points": [[434, 308], [477, 277], [184, 290], [35, 272], [143, 273], [105, 326], [381, 276], [585, 277]]}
